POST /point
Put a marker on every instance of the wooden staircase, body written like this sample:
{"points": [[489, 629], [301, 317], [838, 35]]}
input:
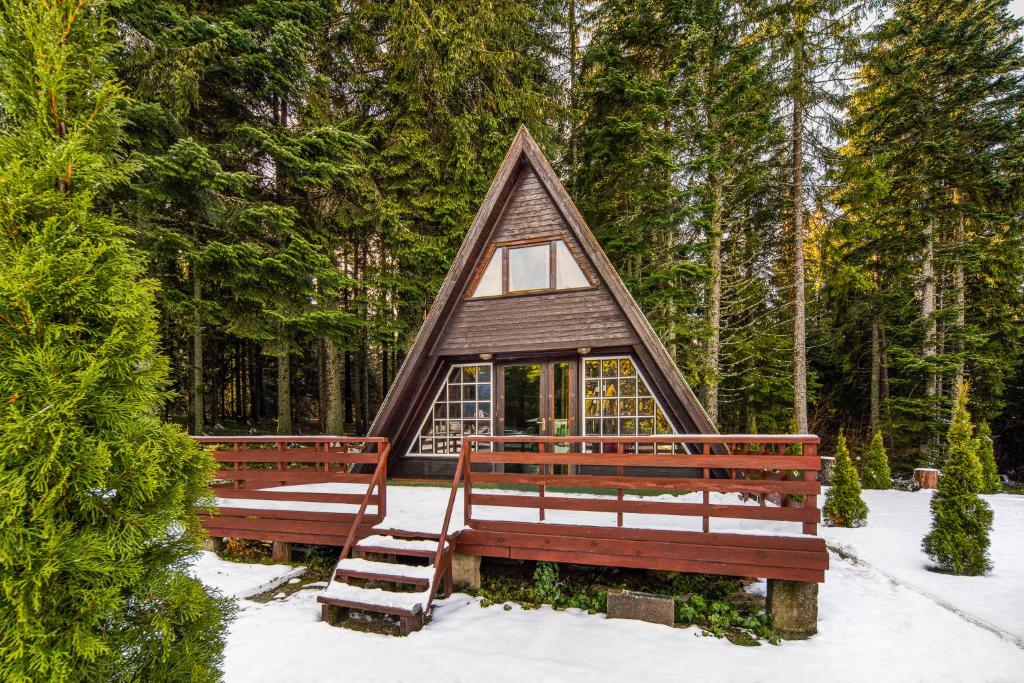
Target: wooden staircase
{"points": [[391, 573]]}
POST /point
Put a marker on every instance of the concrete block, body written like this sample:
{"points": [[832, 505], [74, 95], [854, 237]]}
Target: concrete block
{"points": [[793, 606], [465, 571], [656, 609]]}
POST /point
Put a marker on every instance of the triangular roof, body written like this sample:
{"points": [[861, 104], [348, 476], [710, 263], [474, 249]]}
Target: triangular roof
{"points": [[421, 365]]}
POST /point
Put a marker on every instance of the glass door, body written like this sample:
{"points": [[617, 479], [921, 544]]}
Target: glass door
{"points": [[537, 399]]}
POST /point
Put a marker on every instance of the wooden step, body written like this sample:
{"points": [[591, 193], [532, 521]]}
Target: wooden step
{"points": [[374, 599], [389, 545], [358, 568]]}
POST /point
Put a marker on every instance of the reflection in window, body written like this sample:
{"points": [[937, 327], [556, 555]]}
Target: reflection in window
{"points": [[618, 402], [490, 281], [567, 272], [463, 406], [530, 268]]}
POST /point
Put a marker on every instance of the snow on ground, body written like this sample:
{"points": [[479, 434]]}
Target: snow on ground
{"points": [[871, 626], [870, 629], [891, 542], [241, 580]]}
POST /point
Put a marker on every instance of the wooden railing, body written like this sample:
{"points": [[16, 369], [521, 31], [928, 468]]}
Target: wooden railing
{"points": [[443, 555], [275, 481], [779, 468]]}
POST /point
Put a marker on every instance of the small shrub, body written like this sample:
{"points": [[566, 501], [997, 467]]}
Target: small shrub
{"points": [[958, 541], [990, 482], [720, 618], [843, 504], [876, 466]]}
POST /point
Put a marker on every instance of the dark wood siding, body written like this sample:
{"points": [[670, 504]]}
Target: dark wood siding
{"points": [[536, 322]]}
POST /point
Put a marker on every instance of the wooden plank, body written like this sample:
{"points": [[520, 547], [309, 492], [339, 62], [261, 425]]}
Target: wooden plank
{"points": [[671, 438], [615, 505], [271, 526], [327, 538], [258, 494], [256, 513], [806, 543], [649, 549], [677, 565], [649, 483], [303, 476], [304, 455], [751, 462], [292, 438]]}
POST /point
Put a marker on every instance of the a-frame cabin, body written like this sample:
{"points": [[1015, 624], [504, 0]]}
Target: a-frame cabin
{"points": [[532, 333]]}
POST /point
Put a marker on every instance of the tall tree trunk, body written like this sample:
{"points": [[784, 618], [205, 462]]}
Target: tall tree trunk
{"points": [[574, 49], [335, 415], [876, 374], [714, 303], [198, 397], [799, 299], [928, 316], [284, 394], [961, 293]]}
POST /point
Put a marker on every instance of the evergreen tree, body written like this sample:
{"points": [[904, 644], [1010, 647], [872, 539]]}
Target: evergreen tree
{"points": [[958, 541], [97, 496], [629, 165], [990, 482], [876, 473], [843, 504], [931, 177]]}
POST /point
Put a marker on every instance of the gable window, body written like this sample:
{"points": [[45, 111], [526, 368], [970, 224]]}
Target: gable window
{"points": [[617, 400], [536, 267], [462, 406]]}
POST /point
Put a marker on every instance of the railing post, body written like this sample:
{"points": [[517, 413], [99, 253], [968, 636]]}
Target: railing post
{"points": [[621, 471], [467, 494], [383, 450], [236, 448], [811, 499], [707, 494], [542, 449]]}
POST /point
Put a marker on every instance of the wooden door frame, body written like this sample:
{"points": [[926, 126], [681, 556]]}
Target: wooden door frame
{"points": [[547, 394]]}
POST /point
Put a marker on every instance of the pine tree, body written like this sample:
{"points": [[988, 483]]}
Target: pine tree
{"points": [[629, 150], [990, 482], [876, 473], [97, 496], [930, 208], [961, 521], [843, 504]]}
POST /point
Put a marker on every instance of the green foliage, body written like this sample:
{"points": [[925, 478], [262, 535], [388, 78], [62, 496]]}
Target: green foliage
{"points": [[990, 482], [961, 521], [843, 504], [720, 619], [876, 474], [97, 495]]}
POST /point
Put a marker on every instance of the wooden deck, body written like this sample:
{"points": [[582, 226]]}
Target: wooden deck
{"points": [[661, 503], [257, 472]]}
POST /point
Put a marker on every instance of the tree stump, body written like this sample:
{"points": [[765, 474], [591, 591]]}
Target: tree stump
{"points": [[926, 477]]}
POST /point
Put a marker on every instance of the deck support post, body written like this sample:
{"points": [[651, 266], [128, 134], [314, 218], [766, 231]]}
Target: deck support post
{"points": [[332, 614], [282, 552], [215, 543], [793, 606], [465, 571]]}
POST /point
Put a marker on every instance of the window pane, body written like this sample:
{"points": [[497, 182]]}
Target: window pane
{"points": [[567, 272], [463, 407], [529, 268], [490, 281]]}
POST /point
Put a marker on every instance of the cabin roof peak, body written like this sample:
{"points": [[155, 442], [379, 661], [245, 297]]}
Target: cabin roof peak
{"points": [[422, 364]]}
